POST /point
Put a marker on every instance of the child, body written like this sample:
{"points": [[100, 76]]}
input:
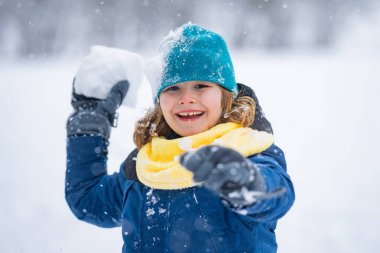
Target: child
{"points": [[205, 176]]}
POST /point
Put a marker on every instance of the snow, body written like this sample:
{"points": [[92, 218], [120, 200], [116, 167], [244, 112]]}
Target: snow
{"points": [[104, 67], [150, 212], [324, 110], [185, 144], [154, 67], [173, 37]]}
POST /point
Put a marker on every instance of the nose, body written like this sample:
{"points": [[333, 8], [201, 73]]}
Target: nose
{"points": [[187, 97]]}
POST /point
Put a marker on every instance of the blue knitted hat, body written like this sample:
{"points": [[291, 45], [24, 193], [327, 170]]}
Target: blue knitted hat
{"points": [[192, 53]]}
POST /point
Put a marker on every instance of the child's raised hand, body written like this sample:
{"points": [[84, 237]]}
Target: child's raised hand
{"points": [[96, 116], [226, 172], [104, 67]]}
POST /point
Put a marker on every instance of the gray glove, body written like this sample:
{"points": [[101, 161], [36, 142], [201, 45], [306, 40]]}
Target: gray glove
{"points": [[94, 116], [226, 172]]}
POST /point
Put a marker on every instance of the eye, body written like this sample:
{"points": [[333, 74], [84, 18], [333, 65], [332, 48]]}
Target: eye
{"points": [[201, 86], [171, 88]]}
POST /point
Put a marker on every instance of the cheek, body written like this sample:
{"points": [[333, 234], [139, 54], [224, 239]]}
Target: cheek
{"points": [[164, 112], [214, 103], [165, 108]]}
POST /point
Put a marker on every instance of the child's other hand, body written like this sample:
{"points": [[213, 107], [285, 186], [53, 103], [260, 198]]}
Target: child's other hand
{"points": [[226, 172]]}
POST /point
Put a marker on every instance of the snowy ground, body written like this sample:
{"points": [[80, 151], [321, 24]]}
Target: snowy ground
{"points": [[324, 109]]}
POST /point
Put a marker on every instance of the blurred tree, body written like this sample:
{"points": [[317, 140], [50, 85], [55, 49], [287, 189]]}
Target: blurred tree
{"points": [[41, 28]]}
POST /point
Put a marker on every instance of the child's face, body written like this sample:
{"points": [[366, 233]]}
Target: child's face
{"points": [[191, 107]]}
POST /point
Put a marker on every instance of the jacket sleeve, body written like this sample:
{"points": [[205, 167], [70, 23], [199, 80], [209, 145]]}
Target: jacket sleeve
{"points": [[92, 195], [272, 166]]}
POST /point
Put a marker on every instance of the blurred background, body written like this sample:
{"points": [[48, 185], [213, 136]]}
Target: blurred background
{"points": [[313, 65], [42, 28]]}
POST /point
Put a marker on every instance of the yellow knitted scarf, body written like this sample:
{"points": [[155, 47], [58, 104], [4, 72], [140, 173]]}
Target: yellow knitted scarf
{"points": [[157, 163]]}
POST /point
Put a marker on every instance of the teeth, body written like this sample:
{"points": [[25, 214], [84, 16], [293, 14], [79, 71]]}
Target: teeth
{"points": [[185, 114]]}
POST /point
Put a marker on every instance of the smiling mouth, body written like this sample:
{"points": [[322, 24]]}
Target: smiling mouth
{"points": [[189, 115]]}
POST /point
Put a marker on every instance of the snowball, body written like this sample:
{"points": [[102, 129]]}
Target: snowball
{"points": [[104, 67]]}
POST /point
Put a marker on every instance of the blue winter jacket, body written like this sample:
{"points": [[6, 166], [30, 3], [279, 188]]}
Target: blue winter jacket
{"points": [[188, 220]]}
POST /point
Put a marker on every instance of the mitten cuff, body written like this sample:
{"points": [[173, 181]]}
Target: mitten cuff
{"points": [[88, 123]]}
